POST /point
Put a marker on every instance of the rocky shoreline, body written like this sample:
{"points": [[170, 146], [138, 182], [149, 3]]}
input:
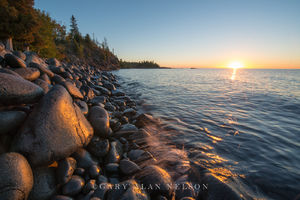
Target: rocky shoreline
{"points": [[70, 132], [67, 132]]}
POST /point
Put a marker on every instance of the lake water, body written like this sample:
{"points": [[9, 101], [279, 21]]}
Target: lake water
{"points": [[243, 126]]}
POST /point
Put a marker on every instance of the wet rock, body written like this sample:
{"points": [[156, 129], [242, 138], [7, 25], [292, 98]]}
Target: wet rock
{"points": [[65, 169], [74, 186], [94, 171], [129, 112], [16, 179], [61, 197], [152, 175], [135, 154], [54, 130], [217, 189], [128, 127], [97, 100], [109, 107], [117, 93], [43, 84], [43, 69], [14, 61], [128, 167], [44, 184], [184, 190], [112, 167], [144, 119], [83, 158], [115, 152], [131, 191], [11, 120], [20, 54], [103, 90], [15, 90], [72, 89], [109, 85], [28, 73], [100, 121], [98, 147], [83, 106]]}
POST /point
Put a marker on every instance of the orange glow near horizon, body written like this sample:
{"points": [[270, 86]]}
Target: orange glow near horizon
{"points": [[226, 64]]}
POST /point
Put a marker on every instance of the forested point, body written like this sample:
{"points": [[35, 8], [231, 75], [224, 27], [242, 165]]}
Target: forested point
{"points": [[141, 65]]}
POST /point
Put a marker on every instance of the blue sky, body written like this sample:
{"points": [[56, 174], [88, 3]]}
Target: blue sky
{"points": [[190, 33]]}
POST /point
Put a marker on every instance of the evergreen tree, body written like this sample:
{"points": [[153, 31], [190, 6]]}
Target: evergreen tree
{"points": [[18, 20], [74, 31]]}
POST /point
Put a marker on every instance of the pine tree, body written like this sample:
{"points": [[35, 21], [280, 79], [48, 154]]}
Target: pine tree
{"points": [[74, 31]]}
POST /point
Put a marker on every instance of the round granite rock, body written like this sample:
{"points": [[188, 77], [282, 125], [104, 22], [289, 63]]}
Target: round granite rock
{"points": [[100, 121], [16, 90], [16, 179], [28, 73], [14, 61], [54, 130]]}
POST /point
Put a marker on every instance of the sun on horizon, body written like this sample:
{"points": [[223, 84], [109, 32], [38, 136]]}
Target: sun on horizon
{"points": [[236, 65]]}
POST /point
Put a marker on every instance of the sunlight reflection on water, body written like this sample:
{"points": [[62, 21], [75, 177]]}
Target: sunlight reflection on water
{"points": [[242, 124]]}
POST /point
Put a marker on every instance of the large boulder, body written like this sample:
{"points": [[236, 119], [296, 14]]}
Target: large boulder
{"points": [[100, 121], [54, 130], [11, 120], [152, 175], [14, 61], [28, 73], [16, 179], [16, 90]]}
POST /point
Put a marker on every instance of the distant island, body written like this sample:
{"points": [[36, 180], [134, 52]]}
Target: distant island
{"points": [[138, 65]]}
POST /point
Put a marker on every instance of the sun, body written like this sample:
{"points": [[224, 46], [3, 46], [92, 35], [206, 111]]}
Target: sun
{"points": [[235, 65]]}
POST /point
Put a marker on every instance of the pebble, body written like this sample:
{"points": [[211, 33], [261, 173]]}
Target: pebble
{"points": [[98, 147], [128, 167], [99, 119], [65, 169], [74, 186]]}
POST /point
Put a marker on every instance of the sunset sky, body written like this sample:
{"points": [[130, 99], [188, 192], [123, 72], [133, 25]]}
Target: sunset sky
{"points": [[191, 33]]}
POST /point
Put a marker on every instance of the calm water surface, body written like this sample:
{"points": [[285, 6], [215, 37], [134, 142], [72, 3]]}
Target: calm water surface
{"points": [[244, 127]]}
